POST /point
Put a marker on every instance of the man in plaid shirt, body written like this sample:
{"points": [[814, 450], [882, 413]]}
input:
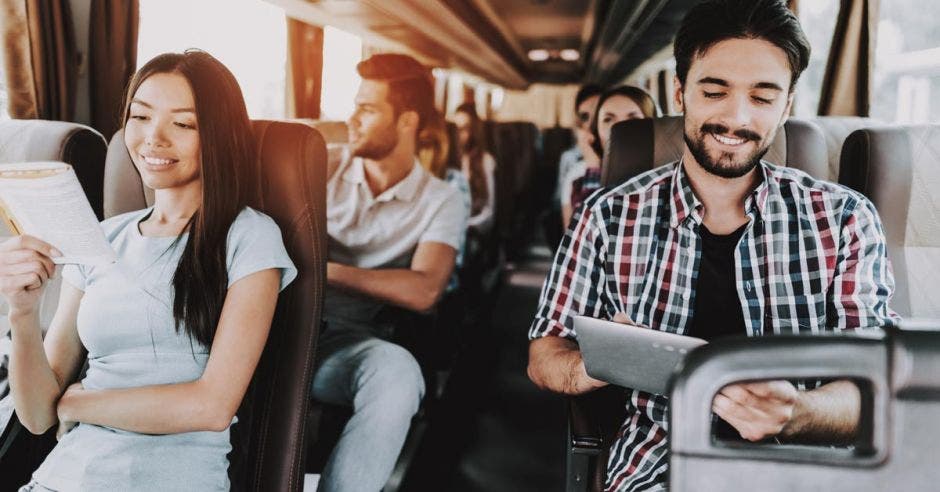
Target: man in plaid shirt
{"points": [[720, 243]]}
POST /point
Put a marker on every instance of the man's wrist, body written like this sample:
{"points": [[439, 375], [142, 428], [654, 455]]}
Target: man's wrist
{"points": [[800, 418]]}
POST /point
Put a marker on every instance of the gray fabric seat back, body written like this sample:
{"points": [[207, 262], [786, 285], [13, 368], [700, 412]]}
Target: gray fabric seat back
{"points": [[898, 431], [836, 129], [898, 168]]}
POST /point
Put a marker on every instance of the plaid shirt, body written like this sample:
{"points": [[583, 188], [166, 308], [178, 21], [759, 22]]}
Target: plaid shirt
{"points": [[812, 258]]}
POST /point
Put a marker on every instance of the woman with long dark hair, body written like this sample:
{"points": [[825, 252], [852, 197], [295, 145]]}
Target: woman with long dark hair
{"points": [[477, 165], [173, 330], [621, 103]]}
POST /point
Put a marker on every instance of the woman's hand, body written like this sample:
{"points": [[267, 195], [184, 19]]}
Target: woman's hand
{"points": [[25, 267], [65, 422]]}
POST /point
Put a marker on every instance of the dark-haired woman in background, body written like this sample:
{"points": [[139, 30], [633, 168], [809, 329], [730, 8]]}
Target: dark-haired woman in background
{"points": [[621, 103], [173, 330], [477, 165]]}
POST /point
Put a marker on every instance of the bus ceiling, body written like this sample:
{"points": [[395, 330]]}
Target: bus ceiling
{"points": [[511, 43]]}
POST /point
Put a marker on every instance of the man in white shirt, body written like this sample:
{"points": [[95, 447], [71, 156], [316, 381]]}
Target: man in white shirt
{"points": [[394, 230]]}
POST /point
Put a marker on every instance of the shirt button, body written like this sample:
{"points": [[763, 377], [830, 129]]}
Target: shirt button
{"points": [[686, 295]]}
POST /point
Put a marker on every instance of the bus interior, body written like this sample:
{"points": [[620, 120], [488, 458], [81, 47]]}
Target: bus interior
{"points": [[866, 115]]}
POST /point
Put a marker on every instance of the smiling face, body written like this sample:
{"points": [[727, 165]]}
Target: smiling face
{"points": [[161, 132], [736, 97]]}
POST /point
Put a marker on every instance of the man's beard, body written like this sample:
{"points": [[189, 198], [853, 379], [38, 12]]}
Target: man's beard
{"points": [[379, 146], [725, 166]]}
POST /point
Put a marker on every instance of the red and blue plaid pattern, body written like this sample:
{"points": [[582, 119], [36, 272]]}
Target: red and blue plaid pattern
{"points": [[812, 258]]}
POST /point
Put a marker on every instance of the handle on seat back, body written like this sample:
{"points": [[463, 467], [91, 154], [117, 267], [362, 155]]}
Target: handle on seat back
{"points": [[711, 367]]}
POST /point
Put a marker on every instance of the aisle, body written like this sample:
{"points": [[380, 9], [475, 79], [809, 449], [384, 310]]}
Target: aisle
{"points": [[495, 431]]}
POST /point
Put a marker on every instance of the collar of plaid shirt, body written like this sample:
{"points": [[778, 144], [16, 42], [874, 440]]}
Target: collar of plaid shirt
{"points": [[686, 205]]}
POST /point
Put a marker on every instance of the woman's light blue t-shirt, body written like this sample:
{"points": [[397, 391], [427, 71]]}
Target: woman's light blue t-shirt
{"points": [[125, 321]]}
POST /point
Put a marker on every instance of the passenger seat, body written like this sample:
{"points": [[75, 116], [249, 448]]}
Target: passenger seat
{"points": [[836, 129], [898, 168]]}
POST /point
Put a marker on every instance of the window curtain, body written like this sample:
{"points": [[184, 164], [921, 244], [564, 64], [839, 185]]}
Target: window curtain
{"points": [[846, 88], [305, 69], [112, 60], [41, 60]]}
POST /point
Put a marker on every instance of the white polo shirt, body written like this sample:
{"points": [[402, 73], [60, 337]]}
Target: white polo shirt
{"points": [[383, 231]]}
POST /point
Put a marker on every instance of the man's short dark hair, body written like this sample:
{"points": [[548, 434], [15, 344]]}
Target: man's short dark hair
{"points": [[713, 21], [410, 84], [586, 92]]}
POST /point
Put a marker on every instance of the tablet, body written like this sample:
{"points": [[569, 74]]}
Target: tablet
{"points": [[631, 356]]}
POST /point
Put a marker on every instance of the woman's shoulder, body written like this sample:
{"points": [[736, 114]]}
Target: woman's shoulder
{"points": [[252, 221]]}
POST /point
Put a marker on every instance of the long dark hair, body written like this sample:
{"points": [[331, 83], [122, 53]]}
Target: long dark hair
{"points": [[227, 153], [474, 150]]}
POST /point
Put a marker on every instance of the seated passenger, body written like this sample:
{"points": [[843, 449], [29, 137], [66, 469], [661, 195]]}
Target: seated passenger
{"points": [[433, 151], [574, 161], [477, 165], [394, 232], [615, 105], [720, 243], [173, 330]]}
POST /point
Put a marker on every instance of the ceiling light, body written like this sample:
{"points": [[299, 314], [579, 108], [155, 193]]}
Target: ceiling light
{"points": [[538, 55], [570, 55]]}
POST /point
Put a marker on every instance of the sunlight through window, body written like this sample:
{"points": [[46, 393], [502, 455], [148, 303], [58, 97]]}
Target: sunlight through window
{"points": [[248, 36], [341, 52]]}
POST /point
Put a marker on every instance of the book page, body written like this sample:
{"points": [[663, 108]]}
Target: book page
{"points": [[52, 206]]}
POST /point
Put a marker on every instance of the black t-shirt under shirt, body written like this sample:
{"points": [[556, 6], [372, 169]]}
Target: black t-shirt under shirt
{"points": [[717, 311]]}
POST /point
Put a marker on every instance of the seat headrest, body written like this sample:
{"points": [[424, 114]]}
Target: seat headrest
{"points": [[636, 146], [280, 146], [835, 129], [334, 132], [41, 140], [897, 169]]}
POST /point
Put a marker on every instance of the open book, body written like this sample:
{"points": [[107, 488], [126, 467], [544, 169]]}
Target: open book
{"points": [[46, 201]]}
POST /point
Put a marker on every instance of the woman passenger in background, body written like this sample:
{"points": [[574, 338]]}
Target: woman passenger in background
{"points": [[173, 330], [621, 103], [434, 153], [477, 165]]}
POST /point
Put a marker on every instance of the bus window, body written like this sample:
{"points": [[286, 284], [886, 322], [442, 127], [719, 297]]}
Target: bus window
{"points": [[247, 36], [341, 52], [818, 19], [906, 86]]}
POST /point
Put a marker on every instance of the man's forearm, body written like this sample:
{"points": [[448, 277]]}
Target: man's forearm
{"points": [[402, 287], [828, 414], [555, 364]]}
